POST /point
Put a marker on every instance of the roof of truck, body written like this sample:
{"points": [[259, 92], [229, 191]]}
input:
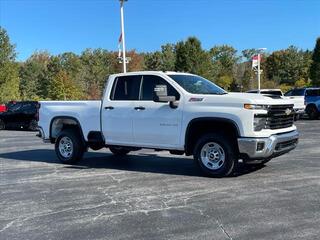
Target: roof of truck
{"points": [[152, 72]]}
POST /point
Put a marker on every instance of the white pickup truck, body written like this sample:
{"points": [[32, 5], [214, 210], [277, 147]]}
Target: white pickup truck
{"points": [[178, 112]]}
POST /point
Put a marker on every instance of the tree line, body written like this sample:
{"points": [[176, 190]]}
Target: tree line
{"points": [[70, 76]]}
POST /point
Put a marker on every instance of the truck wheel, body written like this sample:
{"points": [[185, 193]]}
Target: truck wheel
{"points": [[2, 125], [33, 125], [69, 147], [120, 151], [312, 112], [215, 155]]}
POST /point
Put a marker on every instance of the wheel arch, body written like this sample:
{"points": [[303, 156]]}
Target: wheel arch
{"points": [[199, 126], [59, 123]]}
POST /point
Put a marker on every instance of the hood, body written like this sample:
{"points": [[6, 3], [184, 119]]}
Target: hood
{"points": [[238, 99], [259, 98]]}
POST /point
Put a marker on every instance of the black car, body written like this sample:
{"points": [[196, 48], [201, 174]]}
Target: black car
{"points": [[20, 115]]}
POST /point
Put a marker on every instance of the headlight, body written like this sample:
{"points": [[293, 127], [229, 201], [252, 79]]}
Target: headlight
{"points": [[256, 106], [259, 122]]}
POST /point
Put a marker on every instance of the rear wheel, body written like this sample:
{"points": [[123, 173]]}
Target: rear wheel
{"points": [[120, 151], [2, 125], [69, 146], [312, 112], [216, 155]]}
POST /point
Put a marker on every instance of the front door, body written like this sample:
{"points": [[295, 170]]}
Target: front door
{"points": [[156, 124]]}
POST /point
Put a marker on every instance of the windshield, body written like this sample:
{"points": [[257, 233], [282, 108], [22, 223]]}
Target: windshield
{"points": [[196, 84]]}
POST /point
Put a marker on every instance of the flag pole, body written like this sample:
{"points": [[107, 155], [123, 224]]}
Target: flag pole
{"points": [[124, 60], [259, 72]]}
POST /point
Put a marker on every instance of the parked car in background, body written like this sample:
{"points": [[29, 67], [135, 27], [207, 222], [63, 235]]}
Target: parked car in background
{"points": [[3, 108], [20, 115], [298, 103], [310, 96]]}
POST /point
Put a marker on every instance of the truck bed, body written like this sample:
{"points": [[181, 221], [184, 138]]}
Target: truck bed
{"points": [[87, 113]]}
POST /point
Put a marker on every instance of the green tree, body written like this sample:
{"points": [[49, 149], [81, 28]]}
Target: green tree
{"points": [[161, 61], [63, 88], [224, 60], [34, 77], [153, 61], [190, 57], [315, 66], [288, 66], [96, 66], [9, 70]]}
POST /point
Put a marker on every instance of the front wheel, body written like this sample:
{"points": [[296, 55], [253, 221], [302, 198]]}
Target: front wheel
{"points": [[216, 155], [69, 146]]}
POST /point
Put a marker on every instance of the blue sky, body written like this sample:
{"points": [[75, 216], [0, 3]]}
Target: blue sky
{"points": [[74, 25]]}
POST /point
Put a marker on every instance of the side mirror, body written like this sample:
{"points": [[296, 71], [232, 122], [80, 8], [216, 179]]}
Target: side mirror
{"points": [[161, 95]]}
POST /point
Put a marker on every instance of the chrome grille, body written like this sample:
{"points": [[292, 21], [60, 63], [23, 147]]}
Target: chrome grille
{"points": [[279, 116]]}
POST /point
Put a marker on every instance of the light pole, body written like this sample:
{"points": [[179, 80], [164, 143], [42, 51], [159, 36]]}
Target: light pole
{"points": [[124, 59]]}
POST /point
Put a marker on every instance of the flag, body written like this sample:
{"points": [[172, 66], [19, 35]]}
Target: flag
{"points": [[255, 61], [119, 45]]}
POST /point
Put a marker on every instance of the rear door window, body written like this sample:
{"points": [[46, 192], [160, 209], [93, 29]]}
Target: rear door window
{"points": [[126, 88]]}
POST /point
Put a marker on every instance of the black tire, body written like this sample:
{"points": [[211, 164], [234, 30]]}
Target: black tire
{"points": [[119, 151], [78, 147], [312, 112], [33, 125], [230, 155], [2, 125]]}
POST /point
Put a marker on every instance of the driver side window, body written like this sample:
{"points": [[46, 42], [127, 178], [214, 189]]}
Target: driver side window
{"points": [[148, 84]]}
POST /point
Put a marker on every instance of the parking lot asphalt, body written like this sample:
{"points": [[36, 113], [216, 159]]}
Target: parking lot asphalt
{"points": [[154, 195]]}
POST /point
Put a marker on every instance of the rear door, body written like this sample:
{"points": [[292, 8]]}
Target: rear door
{"points": [[117, 110], [156, 124]]}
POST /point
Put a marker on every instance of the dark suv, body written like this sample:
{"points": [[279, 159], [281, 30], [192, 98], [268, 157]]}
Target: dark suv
{"points": [[311, 99], [20, 115]]}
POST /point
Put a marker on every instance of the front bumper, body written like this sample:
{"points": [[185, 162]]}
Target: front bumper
{"points": [[263, 148]]}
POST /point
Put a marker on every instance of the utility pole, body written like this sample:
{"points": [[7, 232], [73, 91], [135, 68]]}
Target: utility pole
{"points": [[124, 59]]}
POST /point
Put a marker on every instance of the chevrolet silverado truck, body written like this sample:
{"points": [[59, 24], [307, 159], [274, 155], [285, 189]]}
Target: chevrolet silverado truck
{"points": [[178, 112]]}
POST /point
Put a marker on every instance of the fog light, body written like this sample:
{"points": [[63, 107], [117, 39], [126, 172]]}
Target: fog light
{"points": [[260, 146]]}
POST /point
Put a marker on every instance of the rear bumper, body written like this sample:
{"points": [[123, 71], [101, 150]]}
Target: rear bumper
{"points": [[263, 148]]}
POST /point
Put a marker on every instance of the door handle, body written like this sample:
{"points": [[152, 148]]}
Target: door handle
{"points": [[139, 108], [109, 108]]}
